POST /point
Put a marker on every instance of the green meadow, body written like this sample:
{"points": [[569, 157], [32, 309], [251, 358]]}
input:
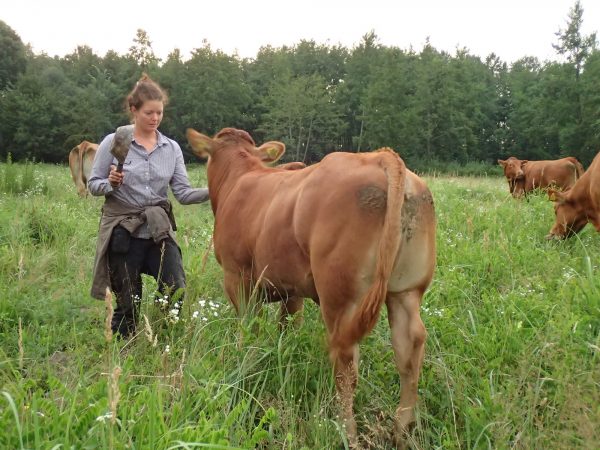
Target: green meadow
{"points": [[512, 355]]}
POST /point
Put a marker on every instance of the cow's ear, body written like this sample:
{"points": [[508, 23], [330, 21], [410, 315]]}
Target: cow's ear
{"points": [[201, 145], [525, 161], [502, 162], [556, 196], [271, 151]]}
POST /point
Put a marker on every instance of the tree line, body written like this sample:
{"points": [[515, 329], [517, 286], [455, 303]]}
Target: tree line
{"points": [[432, 107]]}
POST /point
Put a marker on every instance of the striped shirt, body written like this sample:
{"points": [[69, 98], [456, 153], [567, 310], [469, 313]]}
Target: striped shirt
{"points": [[147, 176]]}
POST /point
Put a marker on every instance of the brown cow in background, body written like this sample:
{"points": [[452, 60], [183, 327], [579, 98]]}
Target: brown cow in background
{"points": [[81, 159], [352, 232], [524, 176], [579, 205]]}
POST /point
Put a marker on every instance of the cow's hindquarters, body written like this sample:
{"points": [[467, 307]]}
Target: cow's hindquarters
{"points": [[352, 253], [412, 274]]}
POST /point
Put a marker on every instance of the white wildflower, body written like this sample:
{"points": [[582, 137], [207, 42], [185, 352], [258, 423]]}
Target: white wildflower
{"points": [[104, 417]]}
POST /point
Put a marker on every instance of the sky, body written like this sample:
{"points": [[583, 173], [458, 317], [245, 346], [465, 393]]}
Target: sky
{"points": [[511, 29]]}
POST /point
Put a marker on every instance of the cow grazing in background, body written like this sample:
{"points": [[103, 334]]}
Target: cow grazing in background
{"points": [[351, 232], [81, 159], [524, 176], [579, 205]]}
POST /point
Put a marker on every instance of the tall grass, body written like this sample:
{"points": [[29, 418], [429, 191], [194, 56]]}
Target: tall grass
{"points": [[21, 178], [512, 356]]}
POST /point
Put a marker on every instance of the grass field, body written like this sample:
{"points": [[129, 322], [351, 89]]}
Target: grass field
{"points": [[512, 356]]}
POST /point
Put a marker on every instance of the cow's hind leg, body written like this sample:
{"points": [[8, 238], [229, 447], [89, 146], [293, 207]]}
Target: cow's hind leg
{"points": [[292, 306], [345, 364], [344, 356], [408, 341]]}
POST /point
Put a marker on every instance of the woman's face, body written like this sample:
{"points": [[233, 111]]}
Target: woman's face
{"points": [[148, 116]]}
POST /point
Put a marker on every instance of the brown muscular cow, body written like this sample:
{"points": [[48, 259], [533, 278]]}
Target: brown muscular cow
{"points": [[351, 232], [579, 205], [81, 159], [524, 176]]}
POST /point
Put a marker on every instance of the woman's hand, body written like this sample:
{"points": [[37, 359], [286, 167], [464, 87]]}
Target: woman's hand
{"points": [[115, 178]]}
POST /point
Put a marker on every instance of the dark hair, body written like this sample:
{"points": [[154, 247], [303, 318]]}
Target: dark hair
{"points": [[145, 90]]}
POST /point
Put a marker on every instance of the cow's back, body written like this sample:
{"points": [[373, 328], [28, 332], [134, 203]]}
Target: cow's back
{"points": [[321, 220], [561, 173], [338, 219], [278, 223], [341, 225]]}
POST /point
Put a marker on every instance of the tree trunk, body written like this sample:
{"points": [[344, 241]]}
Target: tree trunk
{"points": [[308, 139]]}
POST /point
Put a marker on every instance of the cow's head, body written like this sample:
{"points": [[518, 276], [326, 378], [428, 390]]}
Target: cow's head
{"points": [[204, 146], [513, 171], [569, 218]]}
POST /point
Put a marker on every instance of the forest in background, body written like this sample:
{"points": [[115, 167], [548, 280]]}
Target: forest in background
{"points": [[432, 107]]}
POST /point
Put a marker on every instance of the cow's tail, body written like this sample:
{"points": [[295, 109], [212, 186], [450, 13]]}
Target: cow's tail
{"points": [[357, 323], [82, 151], [75, 164], [578, 167]]}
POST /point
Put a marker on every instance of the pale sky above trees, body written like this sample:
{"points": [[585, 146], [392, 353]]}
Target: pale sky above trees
{"points": [[510, 28]]}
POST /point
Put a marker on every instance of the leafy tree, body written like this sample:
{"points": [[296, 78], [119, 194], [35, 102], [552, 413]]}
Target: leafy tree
{"points": [[307, 61], [474, 97], [361, 62], [90, 113], [301, 112], [559, 111], [122, 72], [590, 102], [389, 116], [576, 47], [169, 76], [571, 43], [13, 56], [80, 65], [260, 74], [308, 58], [209, 92], [523, 123], [36, 111], [141, 51], [500, 136], [430, 106]]}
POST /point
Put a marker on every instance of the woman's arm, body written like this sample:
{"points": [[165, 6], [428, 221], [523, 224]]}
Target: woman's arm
{"points": [[180, 183], [98, 183]]}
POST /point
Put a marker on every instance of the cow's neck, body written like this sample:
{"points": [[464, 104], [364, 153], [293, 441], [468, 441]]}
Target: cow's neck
{"points": [[579, 197], [580, 191], [224, 170]]}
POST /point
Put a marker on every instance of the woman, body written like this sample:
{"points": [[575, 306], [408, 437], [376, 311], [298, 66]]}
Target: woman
{"points": [[137, 226]]}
